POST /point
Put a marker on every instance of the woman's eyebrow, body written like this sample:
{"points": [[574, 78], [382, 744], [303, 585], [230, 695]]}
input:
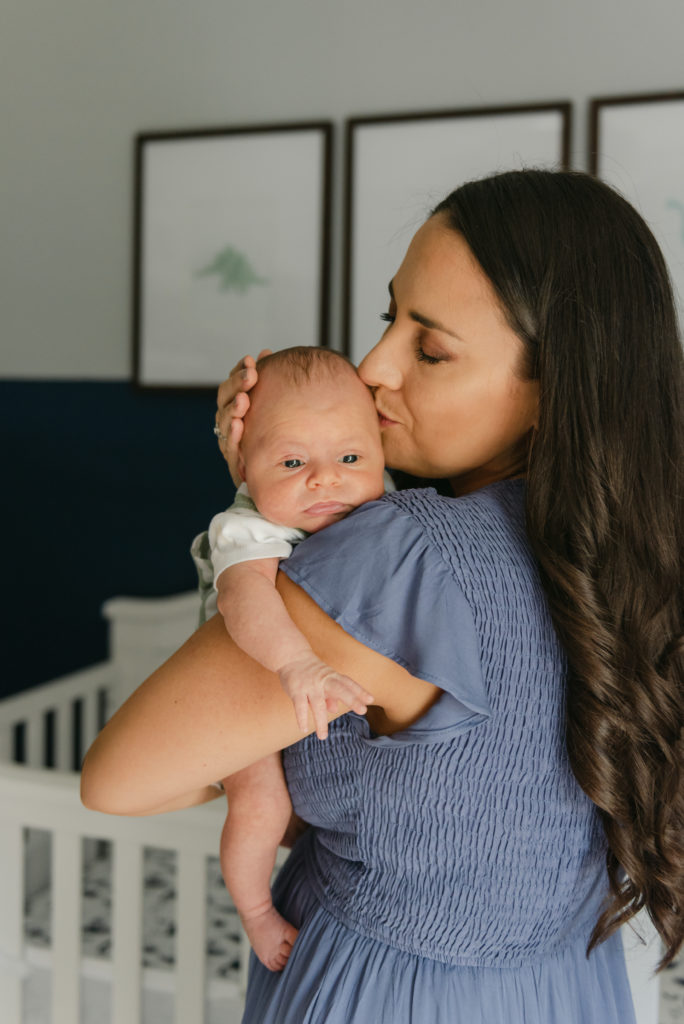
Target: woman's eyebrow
{"points": [[425, 321]]}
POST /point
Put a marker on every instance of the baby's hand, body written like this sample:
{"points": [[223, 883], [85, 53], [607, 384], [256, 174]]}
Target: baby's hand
{"points": [[310, 683]]}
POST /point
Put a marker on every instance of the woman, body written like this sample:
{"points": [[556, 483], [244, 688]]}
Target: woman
{"points": [[524, 641]]}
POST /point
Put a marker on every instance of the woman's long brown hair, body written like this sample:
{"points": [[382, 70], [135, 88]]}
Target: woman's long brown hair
{"points": [[583, 283]]}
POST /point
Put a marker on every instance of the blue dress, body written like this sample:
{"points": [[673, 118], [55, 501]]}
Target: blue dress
{"points": [[455, 869]]}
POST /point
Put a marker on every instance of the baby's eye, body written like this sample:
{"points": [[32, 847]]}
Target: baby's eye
{"points": [[349, 458], [293, 463]]}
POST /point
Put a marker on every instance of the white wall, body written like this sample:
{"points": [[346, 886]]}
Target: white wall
{"points": [[79, 78]]}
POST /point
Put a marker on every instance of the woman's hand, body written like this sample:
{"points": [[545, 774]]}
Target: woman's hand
{"points": [[232, 403]]}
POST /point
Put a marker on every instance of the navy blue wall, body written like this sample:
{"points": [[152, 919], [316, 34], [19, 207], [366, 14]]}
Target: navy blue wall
{"points": [[104, 488]]}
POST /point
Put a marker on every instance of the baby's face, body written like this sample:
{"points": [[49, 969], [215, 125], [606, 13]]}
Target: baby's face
{"points": [[311, 452]]}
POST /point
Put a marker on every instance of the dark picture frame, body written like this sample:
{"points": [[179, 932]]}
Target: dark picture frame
{"points": [[636, 144], [231, 247], [399, 166]]}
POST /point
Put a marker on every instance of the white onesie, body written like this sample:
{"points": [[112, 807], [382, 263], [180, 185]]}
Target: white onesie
{"points": [[240, 534]]}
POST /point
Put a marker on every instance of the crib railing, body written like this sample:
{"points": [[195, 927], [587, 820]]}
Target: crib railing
{"points": [[36, 799], [53, 725]]}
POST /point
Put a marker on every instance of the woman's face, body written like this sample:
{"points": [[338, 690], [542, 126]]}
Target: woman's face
{"points": [[444, 374]]}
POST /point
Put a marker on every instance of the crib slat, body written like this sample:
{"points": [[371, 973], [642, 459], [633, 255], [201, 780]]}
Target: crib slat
{"points": [[126, 933], [63, 738], [66, 934], [11, 920], [89, 719], [6, 743], [35, 743], [190, 938]]}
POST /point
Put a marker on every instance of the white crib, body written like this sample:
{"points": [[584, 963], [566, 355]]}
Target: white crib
{"points": [[45, 830]]}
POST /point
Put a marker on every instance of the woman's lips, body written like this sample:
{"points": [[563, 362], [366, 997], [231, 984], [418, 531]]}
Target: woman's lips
{"points": [[385, 420], [327, 508]]}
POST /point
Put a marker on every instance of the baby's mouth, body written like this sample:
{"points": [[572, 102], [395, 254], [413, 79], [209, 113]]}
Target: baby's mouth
{"points": [[326, 508]]}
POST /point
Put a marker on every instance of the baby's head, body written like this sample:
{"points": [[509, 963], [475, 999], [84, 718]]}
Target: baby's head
{"points": [[311, 449]]}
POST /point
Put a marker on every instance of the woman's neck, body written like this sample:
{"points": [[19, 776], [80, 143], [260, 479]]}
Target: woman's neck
{"points": [[468, 483]]}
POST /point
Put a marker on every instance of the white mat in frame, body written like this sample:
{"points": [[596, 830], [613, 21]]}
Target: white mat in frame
{"points": [[637, 145], [398, 169]]}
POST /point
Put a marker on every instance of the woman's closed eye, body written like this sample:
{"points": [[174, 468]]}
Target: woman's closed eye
{"points": [[424, 357], [421, 355]]}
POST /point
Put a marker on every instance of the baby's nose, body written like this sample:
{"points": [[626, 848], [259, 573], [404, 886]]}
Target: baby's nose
{"points": [[324, 476]]}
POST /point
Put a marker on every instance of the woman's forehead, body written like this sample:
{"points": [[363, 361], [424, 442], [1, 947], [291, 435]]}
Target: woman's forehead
{"points": [[440, 283]]}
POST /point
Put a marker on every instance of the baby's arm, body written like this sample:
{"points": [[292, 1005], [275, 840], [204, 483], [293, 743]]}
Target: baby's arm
{"points": [[258, 622]]}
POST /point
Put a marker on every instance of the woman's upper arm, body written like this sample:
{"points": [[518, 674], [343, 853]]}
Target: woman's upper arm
{"points": [[210, 710]]}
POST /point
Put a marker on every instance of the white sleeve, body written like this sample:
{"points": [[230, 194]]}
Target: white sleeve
{"points": [[243, 536]]}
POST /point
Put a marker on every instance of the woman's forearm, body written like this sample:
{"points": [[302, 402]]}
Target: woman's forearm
{"points": [[198, 796], [207, 712], [211, 710]]}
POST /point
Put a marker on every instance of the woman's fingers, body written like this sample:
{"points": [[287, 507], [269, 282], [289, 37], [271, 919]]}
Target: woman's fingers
{"points": [[235, 431], [242, 377], [232, 402]]}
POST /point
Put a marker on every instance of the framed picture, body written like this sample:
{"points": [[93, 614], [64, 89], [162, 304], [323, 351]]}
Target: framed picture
{"points": [[231, 250], [399, 167], [637, 145]]}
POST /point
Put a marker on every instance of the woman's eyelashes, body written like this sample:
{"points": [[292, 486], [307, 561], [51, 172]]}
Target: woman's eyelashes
{"points": [[421, 355]]}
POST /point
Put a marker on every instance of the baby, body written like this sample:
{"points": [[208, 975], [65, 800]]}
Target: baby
{"points": [[310, 453]]}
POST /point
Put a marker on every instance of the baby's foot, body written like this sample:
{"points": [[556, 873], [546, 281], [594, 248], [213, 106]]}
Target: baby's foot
{"points": [[271, 937]]}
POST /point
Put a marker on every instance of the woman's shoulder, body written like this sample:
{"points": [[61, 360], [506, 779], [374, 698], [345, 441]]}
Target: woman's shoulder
{"points": [[417, 531], [492, 517], [501, 497]]}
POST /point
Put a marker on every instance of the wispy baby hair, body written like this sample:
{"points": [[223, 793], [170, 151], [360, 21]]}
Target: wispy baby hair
{"points": [[305, 363]]}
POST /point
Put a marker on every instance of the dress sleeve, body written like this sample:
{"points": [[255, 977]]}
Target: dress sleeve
{"points": [[378, 575]]}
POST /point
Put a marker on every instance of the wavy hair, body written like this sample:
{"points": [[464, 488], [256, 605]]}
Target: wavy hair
{"points": [[584, 285]]}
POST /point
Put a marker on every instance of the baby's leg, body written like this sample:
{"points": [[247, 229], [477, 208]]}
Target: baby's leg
{"points": [[259, 810]]}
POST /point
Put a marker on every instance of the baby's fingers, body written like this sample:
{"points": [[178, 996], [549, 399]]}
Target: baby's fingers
{"points": [[301, 707], [320, 715], [350, 693]]}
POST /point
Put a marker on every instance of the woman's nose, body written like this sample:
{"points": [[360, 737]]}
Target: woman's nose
{"points": [[380, 368]]}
